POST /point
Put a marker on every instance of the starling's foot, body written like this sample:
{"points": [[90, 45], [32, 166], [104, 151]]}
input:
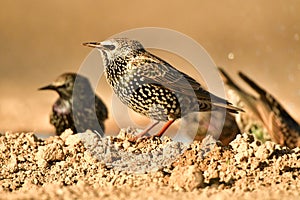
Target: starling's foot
{"points": [[145, 137], [144, 132], [159, 134], [165, 127], [140, 136]]}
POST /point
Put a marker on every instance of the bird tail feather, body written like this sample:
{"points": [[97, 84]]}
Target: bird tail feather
{"points": [[229, 107], [252, 84]]}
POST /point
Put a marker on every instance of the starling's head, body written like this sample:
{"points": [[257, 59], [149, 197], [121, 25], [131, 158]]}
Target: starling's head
{"points": [[64, 85], [116, 48]]}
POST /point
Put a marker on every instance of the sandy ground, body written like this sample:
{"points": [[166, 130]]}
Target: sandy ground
{"points": [[71, 167]]}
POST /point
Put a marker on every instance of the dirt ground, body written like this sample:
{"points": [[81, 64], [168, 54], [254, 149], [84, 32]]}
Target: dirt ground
{"points": [[84, 166]]}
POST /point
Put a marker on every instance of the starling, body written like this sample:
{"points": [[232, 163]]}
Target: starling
{"points": [[152, 87], [77, 107], [283, 129], [243, 99]]}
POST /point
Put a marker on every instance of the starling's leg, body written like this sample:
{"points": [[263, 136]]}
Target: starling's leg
{"points": [[165, 127], [146, 130]]}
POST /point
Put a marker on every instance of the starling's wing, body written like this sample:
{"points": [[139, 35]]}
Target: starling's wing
{"points": [[101, 109], [158, 71], [281, 125]]}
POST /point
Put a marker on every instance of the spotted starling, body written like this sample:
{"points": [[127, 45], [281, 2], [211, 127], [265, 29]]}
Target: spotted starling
{"points": [[283, 129], [77, 107], [152, 87]]}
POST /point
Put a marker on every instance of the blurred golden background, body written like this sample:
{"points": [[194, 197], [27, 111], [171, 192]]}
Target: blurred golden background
{"points": [[42, 39]]}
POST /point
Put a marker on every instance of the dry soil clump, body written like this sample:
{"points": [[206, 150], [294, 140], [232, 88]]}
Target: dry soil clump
{"points": [[87, 166]]}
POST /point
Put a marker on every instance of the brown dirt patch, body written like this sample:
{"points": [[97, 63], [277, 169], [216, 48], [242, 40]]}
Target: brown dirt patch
{"points": [[60, 167]]}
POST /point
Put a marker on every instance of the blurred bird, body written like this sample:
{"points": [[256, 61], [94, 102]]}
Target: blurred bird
{"points": [[283, 129], [209, 123], [240, 98], [151, 86], [77, 107]]}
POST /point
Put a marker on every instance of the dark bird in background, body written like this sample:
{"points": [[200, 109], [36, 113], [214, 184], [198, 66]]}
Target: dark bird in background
{"points": [[282, 128], [151, 86], [77, 107]]}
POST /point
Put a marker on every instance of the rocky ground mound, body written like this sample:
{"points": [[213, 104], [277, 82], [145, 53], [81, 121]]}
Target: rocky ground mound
{"points": [[85, 166]]}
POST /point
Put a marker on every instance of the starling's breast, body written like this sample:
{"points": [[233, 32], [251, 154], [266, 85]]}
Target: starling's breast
{"points": [[62, 107]]}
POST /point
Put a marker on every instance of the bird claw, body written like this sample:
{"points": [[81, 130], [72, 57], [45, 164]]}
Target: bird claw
{"points": [[144, 137]]}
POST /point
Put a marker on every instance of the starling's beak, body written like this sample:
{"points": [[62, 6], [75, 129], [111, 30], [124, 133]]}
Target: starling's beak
{"points": [[93, 44], [48, 87]]}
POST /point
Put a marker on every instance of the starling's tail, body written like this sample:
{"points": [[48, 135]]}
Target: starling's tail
{"points": [[219, 102], [229, 107], [252, 84]]}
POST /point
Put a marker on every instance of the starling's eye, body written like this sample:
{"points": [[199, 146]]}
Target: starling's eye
{"points": [[110, 47], [66, 85]]}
